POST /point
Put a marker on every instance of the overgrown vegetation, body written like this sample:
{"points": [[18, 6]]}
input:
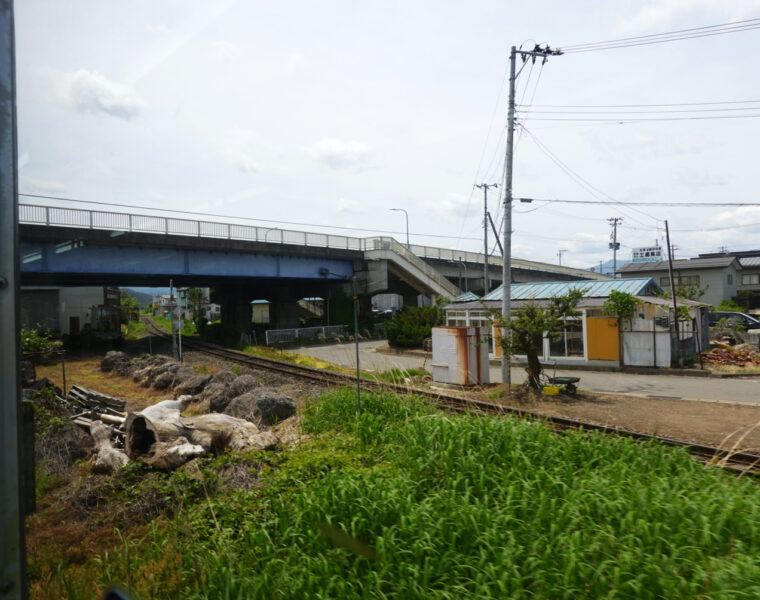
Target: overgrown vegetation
{"points": [[400, 501], [729, 305], [412, 324]]}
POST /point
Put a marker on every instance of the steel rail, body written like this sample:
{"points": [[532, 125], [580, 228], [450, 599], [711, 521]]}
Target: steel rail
{"points": [[740, 461]]}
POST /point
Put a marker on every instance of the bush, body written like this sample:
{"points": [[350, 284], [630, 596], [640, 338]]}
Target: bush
{"points": [[412, 324], [39, 341]]}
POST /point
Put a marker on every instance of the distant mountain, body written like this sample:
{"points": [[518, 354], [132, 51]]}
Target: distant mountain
{"points": [[606, 267], [142, 297]]}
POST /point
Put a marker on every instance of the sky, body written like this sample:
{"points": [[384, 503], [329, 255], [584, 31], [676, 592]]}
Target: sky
{"points": [[331, 113]]}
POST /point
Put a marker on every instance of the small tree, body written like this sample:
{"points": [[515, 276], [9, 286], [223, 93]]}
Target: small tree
{"points": [[530, 325], [129, 306], [412, 324], [621, 305]]}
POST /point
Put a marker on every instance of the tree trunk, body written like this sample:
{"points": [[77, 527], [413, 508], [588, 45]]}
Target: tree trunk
{"points": [[534, 369]]}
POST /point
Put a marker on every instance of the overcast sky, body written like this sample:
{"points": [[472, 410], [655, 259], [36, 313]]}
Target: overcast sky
{"points": [[331, 113]]}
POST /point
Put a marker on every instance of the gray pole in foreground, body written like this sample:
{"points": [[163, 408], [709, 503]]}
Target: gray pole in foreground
{"points": [[12, 555], [506, 272], [355, 293]]}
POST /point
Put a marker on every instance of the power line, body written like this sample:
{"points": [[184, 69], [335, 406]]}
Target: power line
{"points": [[608, 202], [594, 191], [201, 214], [533, 111], [645, 119], [669, 36], [646, 105]]}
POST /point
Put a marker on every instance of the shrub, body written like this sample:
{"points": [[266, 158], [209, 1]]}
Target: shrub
{"points": [[412, 324], [39, 341]]}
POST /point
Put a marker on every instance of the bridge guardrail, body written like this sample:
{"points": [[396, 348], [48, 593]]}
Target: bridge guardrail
{"points": [[96, 219], [283, 336]]}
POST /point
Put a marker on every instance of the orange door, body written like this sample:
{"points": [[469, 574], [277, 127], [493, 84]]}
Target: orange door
{"points": [[602, 336]]}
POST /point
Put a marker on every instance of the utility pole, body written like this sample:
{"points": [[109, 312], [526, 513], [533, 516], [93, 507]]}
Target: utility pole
{"points": [[506, 272], [614, 244], [484, 187], [673, 293], [560, 252]]}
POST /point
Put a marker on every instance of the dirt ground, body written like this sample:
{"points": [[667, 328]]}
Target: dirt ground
{"points": [[711, 423]]}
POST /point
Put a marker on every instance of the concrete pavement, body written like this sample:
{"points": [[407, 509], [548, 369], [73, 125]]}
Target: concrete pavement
{"points": [[707, 389]]}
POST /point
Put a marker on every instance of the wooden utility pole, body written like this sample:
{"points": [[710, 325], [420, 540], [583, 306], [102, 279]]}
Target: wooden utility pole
{"points": [[486, 217], [673, 293], [614, 245]]}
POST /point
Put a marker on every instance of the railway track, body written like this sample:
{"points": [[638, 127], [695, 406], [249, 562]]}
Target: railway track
{"points": [[738, 462]]}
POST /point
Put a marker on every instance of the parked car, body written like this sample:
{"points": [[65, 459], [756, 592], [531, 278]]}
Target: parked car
{"points": [[741, 319]]}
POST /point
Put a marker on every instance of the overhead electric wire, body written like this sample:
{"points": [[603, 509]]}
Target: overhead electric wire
{"points": [[645, 119], [594, 191], [202, 214], [669, 36], [614, 202], [646, 105], [533, 111]]}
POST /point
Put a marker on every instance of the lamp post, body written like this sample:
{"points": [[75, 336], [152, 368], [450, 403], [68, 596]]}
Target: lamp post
{"points": [[406, 214], [464, 264], [266, 233]]}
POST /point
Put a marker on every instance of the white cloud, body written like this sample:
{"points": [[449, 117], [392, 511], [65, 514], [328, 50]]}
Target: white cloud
{"points": [[660, 12], [23, 160], [296, 61], [247, 164], [340, 154], [226, 50], [351, 207], [700, 179], [158, 29], [34, 185], [91, 92]]}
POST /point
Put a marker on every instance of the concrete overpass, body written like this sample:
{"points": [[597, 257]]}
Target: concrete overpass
{"points": [[68, 246]]}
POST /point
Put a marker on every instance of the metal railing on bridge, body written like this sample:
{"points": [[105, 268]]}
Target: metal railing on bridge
{"points": [[33, 214], [285, 336]]}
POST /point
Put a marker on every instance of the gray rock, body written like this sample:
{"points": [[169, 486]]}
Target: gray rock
{"points": [[112, 359], [163, 381], [242, 384], [193, 385], [224, 377], [28, 372], [184, 373], [218, 396], [262, 407]]}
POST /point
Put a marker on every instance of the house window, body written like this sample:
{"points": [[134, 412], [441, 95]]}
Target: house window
{"points": [[753, 279], [730, 279], [680, 280], [570, 341]]}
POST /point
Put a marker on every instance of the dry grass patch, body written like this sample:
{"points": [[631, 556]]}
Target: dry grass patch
{"points": [[86, 373]]}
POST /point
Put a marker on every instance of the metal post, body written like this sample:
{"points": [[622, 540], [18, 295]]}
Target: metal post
{"points": [[355, 293], [506, 273], [406, 216], [673, 293], [63, 371], [171, 318], [485, 187], [12, 565]]}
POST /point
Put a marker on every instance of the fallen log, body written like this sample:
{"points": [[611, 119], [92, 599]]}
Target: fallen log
{"points": [[107, 458], [161, 436]]}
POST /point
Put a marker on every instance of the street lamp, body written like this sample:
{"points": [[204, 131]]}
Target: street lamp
{"points": [[464, 264], [406, 214]]}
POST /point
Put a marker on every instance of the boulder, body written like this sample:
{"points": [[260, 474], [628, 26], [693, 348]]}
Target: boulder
{"points": [[242, 384], [193, 385], [163, 381], [27, 372], [264, 407], [218, 396], [223, 377], [112, 359], [184, 373]]}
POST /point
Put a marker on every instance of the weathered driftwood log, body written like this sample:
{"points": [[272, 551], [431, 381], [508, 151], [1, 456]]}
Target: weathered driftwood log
{"points": [[161, 436], [108, 458]]}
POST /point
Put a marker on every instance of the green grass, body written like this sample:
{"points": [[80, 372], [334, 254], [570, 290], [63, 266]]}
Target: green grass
{"points": [[165, 324], [402, 501]]}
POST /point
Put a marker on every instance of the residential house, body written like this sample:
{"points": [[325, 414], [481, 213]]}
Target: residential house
{"points": [[719, 276], [593, 338]]}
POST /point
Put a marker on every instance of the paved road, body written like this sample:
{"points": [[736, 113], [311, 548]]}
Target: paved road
{"points": [[738, 391]]}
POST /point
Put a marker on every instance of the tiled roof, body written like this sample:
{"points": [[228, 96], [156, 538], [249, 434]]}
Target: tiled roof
{"points": [[679, 265]]}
